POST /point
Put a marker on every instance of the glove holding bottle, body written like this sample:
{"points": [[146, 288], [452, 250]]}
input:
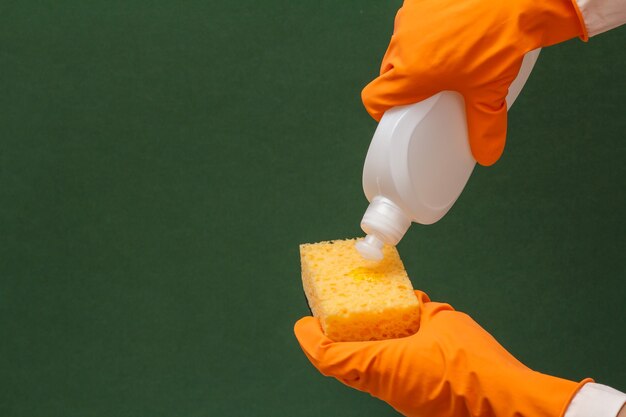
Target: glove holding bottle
{"points": [[418, 164]]}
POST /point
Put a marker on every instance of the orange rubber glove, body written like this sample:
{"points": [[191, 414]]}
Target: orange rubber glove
{"points": [[474, 47], [450, 368]]}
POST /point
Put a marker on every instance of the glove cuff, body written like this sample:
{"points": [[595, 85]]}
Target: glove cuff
{"points": [[551, 22], [585, 33], [539, 395]]}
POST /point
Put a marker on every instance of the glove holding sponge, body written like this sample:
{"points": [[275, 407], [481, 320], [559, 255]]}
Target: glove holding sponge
{"points": [[449, 367]]}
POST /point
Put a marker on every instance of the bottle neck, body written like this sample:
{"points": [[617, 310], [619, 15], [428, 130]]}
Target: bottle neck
{"points": [[385, 220]]}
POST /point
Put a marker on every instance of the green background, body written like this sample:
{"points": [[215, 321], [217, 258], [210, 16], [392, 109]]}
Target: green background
{"points": [[161, 161]]}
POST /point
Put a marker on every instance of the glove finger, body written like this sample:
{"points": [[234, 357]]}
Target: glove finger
{"points": [[422, 297], [486, 123], [309, 334], [392, 88], [428, 309]]}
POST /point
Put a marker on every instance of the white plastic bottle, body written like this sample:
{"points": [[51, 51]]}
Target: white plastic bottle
{"points": [[418, 164]]}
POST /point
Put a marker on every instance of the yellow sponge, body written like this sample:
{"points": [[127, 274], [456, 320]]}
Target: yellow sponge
{"points": [[356, 299]]}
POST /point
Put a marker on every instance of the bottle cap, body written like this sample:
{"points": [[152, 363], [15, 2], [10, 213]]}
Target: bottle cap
{"points": [[370, 248], [384, 222]]}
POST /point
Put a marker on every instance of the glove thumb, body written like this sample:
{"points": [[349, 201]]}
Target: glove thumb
{"points": [[486, 124]]}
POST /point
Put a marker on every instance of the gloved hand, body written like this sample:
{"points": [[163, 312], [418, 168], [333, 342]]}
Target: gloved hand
{"points": [[474, 47], [450, 368]]}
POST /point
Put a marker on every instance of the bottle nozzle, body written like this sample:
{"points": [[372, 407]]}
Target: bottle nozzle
{"points": [[383, 222], [370, 248]]}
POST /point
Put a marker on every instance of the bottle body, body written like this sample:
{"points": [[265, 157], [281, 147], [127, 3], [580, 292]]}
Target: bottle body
{"points": [[418, 163]]}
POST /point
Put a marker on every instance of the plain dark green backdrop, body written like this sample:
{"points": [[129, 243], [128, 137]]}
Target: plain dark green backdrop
{"points": [[160, 162]]}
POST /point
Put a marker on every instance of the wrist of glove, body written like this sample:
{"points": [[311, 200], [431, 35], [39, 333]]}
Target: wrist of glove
{"points": [[450, 367]]}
